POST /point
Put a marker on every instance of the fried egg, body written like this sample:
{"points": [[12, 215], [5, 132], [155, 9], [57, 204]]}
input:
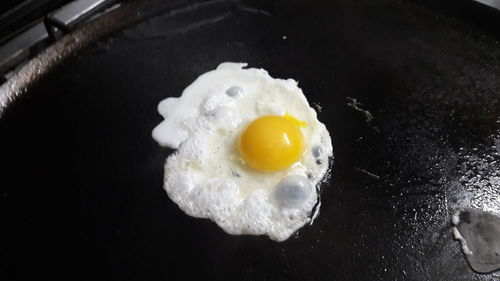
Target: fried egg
{"points": [[250, 151]]}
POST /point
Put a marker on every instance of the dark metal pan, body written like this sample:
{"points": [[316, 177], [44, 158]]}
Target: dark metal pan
{"points": [[81, 179]]}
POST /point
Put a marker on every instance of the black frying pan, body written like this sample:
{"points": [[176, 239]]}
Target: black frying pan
{"points": [[81, 193]]}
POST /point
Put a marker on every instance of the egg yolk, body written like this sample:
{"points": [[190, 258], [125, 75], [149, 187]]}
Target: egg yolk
{"points": [[272, 143]]}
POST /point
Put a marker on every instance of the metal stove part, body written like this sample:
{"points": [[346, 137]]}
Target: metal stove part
{"points": [[76, 10], [21, 47], [492, 3]]}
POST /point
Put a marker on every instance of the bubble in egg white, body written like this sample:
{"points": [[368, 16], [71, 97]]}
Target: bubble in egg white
{"points": [[234, 91], [207, 178], [224, 118], [317, 151], [292, 191], [217, 101]]}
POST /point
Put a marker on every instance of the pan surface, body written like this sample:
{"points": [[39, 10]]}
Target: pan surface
{"points": [[81, 179]]}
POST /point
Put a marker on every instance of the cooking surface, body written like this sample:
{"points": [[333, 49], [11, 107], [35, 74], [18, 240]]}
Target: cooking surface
{"points": [[81, 182]]}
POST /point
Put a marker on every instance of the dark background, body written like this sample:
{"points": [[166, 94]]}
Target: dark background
{"points": [[9, 4], [81, 179]]}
